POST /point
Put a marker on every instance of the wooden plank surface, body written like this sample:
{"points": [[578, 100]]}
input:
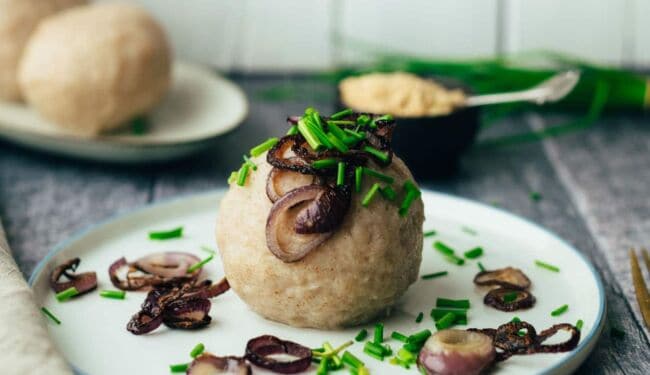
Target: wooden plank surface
{"points": [[594, 188]]}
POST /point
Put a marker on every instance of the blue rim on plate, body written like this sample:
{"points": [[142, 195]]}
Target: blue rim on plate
{"points": [[585, 344]]}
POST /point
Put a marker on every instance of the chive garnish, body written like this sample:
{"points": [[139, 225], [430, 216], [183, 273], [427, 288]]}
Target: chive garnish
{"points": [[461, 315], [373, 124], [378, 336], [337, 143], [430, 276], [412, 192], [341, 122], [67, 294], [200, 264], [453, 303], [388, 193], [474, 253], [547, 266], [455, 260], [383, 156], [340, 175], [114, 294], [361, 335], [363, 120], [49, 314], [293, 130], [324, 163], [323, 366], [351, 360], [468, 230], [560, 310], [399, 336], [334, 129], [359, 136], [311, 138], [312, 119], [166, 234], [419, 318], [242, 174], [516, 319], [413, 348], [263, 147], [535, 196], [233, 177], [419, 337], [510, 297], [375, 349], [429, 233], [336, 360], [358, 176], [371, 172], [340, 114], [181, 367], [480, 267], [250, 163], [446, 321], [443, 248], [369, 195], [579, 324], [197, 350]]}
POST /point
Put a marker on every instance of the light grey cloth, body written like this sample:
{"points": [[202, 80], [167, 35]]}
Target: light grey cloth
{"points": [[25, 347]]}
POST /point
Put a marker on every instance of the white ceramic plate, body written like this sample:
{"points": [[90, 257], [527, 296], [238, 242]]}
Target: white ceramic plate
{"points": [[200, 106], [94, 339]]}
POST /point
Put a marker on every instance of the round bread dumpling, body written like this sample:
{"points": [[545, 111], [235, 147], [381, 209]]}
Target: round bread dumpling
{"points": [[353, 276], [92, 69], [18, 19]]}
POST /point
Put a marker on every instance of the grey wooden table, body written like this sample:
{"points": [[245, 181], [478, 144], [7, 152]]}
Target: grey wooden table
{"points": [[595, 187]]}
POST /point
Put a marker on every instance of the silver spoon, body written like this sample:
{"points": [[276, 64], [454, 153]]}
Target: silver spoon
{"points": [[548, 91]]}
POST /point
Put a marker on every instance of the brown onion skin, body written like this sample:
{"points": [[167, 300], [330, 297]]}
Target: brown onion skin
{"points": [[83, 282]]}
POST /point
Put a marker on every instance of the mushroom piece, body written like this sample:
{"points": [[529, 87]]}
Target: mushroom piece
{"points": [[508, 277], [453, 351]]}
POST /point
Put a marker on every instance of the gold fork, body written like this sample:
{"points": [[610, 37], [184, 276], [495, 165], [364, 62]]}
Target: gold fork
{"points": [[642, 295]]}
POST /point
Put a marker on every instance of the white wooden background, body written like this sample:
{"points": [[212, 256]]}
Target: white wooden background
{"points": [[289, 35]]}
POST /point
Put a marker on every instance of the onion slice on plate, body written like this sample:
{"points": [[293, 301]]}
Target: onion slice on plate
{"points": [[83, 282], [281, 181], [260, 349], [208, 364], [453, 351], [187, 313], [497, 299], [508, 277], [156, 269]]}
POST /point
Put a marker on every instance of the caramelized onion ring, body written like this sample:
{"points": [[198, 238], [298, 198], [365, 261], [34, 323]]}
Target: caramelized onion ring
{"points": [[260, 349], [509, 277], [566, 346], [83, 282], [325, 213], [496, 299], [507, 338], [187, 313], [208, 364], [156, 269], [277, 156], [453, 351], [281, 181]]}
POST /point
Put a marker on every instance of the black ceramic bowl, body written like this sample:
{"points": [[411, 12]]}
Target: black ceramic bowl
{"points": [[432, 145]]}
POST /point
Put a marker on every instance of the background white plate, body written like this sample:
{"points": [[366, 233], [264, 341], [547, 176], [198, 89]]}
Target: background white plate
{"points": [[200, 106], [94, 339]]}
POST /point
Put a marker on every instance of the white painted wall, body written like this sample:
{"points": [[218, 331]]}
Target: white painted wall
{"points": [[283, 35]]}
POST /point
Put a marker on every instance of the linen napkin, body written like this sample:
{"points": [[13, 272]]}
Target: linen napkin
{"points": [[25, 347]]}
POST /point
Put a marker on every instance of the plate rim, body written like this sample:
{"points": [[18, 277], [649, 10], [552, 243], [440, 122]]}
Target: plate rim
{"points": [[586, 345]]}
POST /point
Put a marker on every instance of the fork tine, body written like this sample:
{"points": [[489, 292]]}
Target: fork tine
{"points": [[640, 288]]}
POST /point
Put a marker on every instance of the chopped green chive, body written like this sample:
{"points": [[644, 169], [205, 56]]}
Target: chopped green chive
{"points": [[293, 130], [378, 336], [516, 319], [340, 175], [455, 260], [535, 196], [263, 147], [456, 304], [166, 234], [323, 366], [340, 114], [363, 120], [430, 276], [429, 233], [510, 297], [412, 193], [388, 193], [547, 266], [181, 367], [373, 124], [200, 264], [67, 294], [324, 163], [361, 335], [474, 253], [469, 230], [443, 248], [371, 172], [208, 250], [480, 267], [337, 143], [359, 136], [198, 349], [446, 321], [336, 360], [114, 294], [250, 163], [399, 362], [616, 332], [579, 324], [375, 350], [419, 318], [49, 314], [316, 127], [369, 195], [461, 315], [233, 177], [358, 176], [242, 174], [334, 129], [351, 360], [383, 156], [399, 336], [341, 122], [419, 337], [308, 133], [560, 310]]}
